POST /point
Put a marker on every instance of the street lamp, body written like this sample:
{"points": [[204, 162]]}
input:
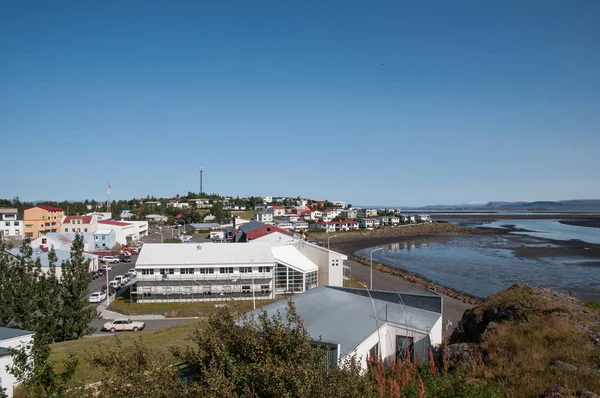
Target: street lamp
{"points": [[333, 236], [161, 236], [107, 290], [372, 251], [183, 228]]}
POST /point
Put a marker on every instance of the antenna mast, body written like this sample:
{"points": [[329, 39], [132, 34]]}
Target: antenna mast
{"points": [[108, 199], [201, 172]]}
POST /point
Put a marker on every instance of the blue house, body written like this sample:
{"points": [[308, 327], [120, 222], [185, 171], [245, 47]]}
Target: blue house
{"points": [[105, 238]]}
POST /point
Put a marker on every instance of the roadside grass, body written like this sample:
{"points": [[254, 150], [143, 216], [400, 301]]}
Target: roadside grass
{"points": [[523, 356], [356, 283], [177, 310], [160, 339]]}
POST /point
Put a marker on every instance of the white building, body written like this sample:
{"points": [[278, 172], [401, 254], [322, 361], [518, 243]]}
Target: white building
{"points": [[63, 241], [424, 218], [330, 214], [287, 225], [11, 224], [349, 323], [201, 203], [349, 213], [367, 212], [15, 339], [366, 223], [79, 224], [61, 256], [267, 199], [338, 203], [337, 226], [299, 225], [263, 216], [101, 215], [178, 205], [291, 217], [277, 211], [126, 231], [157, 218]]}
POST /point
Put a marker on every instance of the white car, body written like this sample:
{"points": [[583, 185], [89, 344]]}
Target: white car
{"points": [[185, 238], [115, 284], [97, 297], [123, 324], [106, 267], [132, 272], [111, 260]]}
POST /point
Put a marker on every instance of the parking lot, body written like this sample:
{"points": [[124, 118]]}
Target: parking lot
{"points": [[117, 269], [154, 235]]}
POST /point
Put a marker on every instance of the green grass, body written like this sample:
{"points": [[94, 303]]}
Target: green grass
{"points": [[244, 214], [174, 310], [356, 283], [160, 339], [593, 305]]}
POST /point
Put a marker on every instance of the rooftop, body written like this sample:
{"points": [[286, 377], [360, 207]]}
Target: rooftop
{"points": [[5, 210], [177, 254], [115, 223], [84, 219], [290, 256], [8, 333], [48, 208], [341, 315]]}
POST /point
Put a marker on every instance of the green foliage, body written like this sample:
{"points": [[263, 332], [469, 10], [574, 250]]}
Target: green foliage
{"points": [[172, 240], [221, 215], [593, 305]]}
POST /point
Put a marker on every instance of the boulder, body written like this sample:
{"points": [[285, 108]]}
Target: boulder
{"points": [[586, 394], [459, 355], [556, 392]]}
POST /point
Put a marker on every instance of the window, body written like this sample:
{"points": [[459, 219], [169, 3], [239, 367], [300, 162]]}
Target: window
{"points": [[85, 230], [169, 271], [207, 270], [226, 270], [147, 272], [264, 287], [186, 271], [264, 269], [374, 351], [44, 241], [6, 232], [245, 288], [66, 229], [244, 270], [404, 347], [7, 224]]}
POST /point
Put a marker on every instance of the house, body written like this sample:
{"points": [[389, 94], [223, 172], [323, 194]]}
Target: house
{"points": [[11, 224], [394, 220], [277, 211], [177, 204], [384, 220], [201, 203], [349, 213], [367, 213], [406, 219], [299, 225], [315, 204], [263, 216], [105, 238], [152, 203], [424, 218], [39, 220], [376, 223], [330, 214], [253, 230], [287, 225], [11, 339], [260, 207], [267, 199], [101, 215], [126, 214], [312, 215], [337, 226], [79, 224], [126, 232], [156, 218], [338, 204], [291, 217], [302, 202], [299, 209], [195, 227], [350, 323], [63, 241], [366, 223], [61, 256]]}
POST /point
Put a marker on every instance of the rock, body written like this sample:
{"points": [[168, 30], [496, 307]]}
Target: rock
{"points": [[586, 394], [566, 367], [459, 355], [556, 392]]}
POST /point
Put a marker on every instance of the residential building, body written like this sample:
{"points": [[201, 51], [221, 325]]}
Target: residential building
{"points": [[101, 215], [157, 218], [367, 213], [299, 225], [126, 214], [267, 199], [152, 203], [287, 225], [79, 224], [11, 339], [302, 202], [177, 204], [330, 214], [394, 220], [384, 220], [361, 324], [196, 227], [314, 204], [312, 215], [62, 255], [39, 220], [406, 219], [337, 226], [260, 207], [349, 213], [218, 271], [277, 211], [338, 203], [291, 217], [366, 223], [424, 218], [126, 232], [11, 224], [63, 241], [263, 216], [201, 203], [105, 238], [254, 230]]}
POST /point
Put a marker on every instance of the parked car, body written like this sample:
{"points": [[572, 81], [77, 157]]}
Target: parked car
{"points": [[132, 250], [185, 238], [111, 290], [121, 279], [125, 259], [110, 260], [119, 325], [106, 268], [132, 272], [114, 284], [97, 297]]}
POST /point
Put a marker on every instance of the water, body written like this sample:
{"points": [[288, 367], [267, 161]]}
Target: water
{"points": [[550, 229], [483, 265]]}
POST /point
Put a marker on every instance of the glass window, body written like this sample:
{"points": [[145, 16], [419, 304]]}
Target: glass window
{"points": [[226, 270], [169, 271], [207, 270], [244, 270], [186, 271], [374, 351], [404, 346], [66, 229], [7, 224]]}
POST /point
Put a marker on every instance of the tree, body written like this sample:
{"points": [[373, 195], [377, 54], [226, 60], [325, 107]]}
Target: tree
{"points": [[76, 314], [221, 215]]}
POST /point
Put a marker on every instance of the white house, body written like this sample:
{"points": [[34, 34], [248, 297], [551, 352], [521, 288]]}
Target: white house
{"points": [[366, 223], [63, 241], [424, 218], [287, 225], [330, 214], [291, 217], [201, 203], [299, 225], [277, 211], [408, 219], [337, 226], [338, 203], [349, 213], [178, 205], [267, 199], [263, 216], [11, 223], [394, 220], [79, 224], [349, 322], [15, 339], [367, 212], [157, 218], [314, 215], [125, 232], [101, 215]]}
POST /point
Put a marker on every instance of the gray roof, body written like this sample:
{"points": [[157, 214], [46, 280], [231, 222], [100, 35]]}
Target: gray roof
{"points": [[345, 317], [251, 226], [206, 225], [61, 254], [4, 352], [69, 237], [8, 333]]}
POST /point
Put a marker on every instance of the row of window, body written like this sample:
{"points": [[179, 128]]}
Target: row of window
{"points": [[7, 223], [191, 271], [78, 230]]}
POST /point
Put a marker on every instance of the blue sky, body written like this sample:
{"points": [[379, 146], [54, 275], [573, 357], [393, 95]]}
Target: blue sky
{"points": [[407, 103]]}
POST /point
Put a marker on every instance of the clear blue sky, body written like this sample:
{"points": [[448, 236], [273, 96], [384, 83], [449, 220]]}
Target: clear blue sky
{"points": [[394, 102]]}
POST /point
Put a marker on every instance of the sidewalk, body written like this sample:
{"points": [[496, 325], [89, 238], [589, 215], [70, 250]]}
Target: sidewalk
{"points": [[108, 314]]}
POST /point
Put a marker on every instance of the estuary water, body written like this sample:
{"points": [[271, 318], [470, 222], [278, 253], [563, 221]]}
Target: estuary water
{"points": [[549, 229], [482, 265]]}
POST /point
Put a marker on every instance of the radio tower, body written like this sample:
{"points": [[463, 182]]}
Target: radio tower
{"points": [[201, 172], [108, 199]]}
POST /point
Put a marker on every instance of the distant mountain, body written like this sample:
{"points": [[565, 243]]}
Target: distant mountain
{"points": [[563, 205]]}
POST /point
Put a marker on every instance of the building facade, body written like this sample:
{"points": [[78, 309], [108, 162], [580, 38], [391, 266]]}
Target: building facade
{"points": [[79, 224], [39, 220], [11, 224], [105, 238]]}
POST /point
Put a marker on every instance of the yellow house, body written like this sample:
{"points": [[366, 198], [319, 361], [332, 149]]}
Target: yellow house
{"points": [[42, 219]]}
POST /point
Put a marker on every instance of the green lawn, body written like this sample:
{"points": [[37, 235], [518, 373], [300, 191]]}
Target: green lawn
{"points": [[175, 310], [160, 339]]}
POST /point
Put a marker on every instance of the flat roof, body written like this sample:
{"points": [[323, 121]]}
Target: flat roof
{"points": [[153, 254], [290, 256], [9, 333]]}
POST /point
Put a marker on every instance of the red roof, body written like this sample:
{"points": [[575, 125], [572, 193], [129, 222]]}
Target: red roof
{"points": [[50, 208], [84, 219], [111, 222]]}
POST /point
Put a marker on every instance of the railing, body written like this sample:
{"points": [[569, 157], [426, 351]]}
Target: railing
{"points": [[215, 276]]}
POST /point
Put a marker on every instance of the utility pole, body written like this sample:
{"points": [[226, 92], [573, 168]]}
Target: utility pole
{"points": [[201, 172]]}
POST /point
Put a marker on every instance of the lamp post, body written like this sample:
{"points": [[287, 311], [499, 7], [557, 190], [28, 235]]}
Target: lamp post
{"points": [[161, 236], [333, 236], [107, 290], [372, 251]]}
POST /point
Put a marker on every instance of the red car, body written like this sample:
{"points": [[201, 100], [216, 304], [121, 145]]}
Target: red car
{"points": [[132, 250]]}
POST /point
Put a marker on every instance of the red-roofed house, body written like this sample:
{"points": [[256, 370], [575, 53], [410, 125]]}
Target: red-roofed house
{"points": [[277, 211], [79, 224], [39, 220]]}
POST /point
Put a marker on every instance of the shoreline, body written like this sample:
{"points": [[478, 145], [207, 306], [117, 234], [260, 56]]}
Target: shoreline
{"points": [[593, 223], [503, 216]]}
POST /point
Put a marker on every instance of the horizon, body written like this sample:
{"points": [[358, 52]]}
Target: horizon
{"points": [[365, 103]]}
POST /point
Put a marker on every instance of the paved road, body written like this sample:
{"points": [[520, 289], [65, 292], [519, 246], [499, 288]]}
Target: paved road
{"points": [[452, 309], [150, 324], [117, 269], [167, 232]]}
